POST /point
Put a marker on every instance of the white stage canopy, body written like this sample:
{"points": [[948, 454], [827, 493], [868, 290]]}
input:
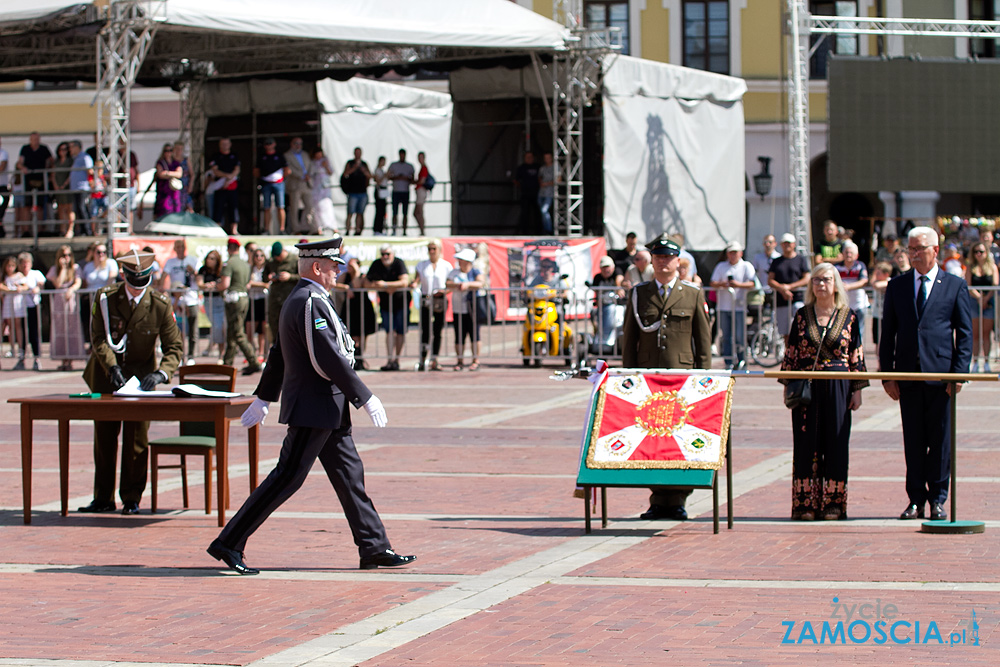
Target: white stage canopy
{"points": [[673, 154], [53, 39], [380, 118]]}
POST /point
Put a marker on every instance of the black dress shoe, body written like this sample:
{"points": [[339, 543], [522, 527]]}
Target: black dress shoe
{"points": [[938, 513], [672, 512], [387, 558], [130, 507], [250, 370], [233, 559], [98, 507], [912, 512]]}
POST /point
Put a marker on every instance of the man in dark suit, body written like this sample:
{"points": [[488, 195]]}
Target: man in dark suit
{"points": [[666, 326], [927, 327], [311, 366]]}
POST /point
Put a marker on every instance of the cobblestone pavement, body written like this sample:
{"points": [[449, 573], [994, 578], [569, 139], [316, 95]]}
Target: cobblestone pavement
{"points": [[475, 475]]}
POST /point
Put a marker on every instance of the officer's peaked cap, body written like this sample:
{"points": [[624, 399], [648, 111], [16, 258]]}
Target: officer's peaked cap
{"points": [[328, 248], [664, 246], [138, 264]]}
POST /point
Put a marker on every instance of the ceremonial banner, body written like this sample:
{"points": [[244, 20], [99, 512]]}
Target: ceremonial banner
{"points": [[660, 421]]}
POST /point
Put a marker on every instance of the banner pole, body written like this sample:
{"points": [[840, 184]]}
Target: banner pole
{"points": [[953, 527]]}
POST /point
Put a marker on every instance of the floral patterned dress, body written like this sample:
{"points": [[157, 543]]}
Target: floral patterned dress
{"points": [[821, 431]]}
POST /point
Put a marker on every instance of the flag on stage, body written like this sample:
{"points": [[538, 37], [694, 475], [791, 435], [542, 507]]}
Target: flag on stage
{"points": [[660, 421]]}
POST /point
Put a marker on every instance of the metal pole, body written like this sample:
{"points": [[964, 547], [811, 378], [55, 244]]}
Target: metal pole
{"points": [[954, 451]]}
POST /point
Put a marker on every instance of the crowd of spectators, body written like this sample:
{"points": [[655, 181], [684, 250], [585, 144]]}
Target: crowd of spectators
{"points": [[65, 191]]}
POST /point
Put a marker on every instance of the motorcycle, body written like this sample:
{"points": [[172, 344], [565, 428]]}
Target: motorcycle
{"points": [[545, 333]]}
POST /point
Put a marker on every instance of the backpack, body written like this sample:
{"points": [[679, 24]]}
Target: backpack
{"points": [[429, 183]]}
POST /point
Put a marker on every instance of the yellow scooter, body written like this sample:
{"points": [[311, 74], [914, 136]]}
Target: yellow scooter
{"points": [[545, 334]]}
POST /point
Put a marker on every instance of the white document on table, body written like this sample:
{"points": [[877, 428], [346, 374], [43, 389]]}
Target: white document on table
{"points": [[131, 388], [194, 391]]}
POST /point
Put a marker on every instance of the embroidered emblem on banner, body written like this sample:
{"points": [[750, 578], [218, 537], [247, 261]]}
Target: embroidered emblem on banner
{"points": [[706, 385], [320, 324], [662, 413], [660, 421]]}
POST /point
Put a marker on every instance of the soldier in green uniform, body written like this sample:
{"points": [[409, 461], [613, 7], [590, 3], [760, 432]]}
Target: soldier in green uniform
{"points": [[284, 270], [235, 276], [666, 326], [126, 320]]}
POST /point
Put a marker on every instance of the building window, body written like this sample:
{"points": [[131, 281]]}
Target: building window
{"points": [[706, 35], [842, 45], [983, 10], [608, 14]]}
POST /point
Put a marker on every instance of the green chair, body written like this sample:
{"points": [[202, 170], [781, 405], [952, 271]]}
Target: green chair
{"points": [[196, 438]]}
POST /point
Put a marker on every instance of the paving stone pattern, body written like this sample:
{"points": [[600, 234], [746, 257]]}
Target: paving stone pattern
{"points": [[475, 475]]}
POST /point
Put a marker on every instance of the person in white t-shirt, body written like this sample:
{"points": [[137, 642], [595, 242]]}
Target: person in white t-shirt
{"points": [[179, 282], [31, 283], [466, 283], [733, 278], [431, 276]]}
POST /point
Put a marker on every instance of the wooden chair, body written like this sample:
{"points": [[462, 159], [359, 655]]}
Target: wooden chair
{"points": [[196, 438]]}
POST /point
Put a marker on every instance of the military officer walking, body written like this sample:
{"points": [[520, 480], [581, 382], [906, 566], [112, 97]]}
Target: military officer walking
{"points": [[311, 368], [125, 323], [666, 326], [233, 283]]}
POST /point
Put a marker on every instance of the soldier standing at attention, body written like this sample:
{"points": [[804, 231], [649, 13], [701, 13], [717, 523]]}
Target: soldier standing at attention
{"points": [[666, 326], [125, 322], [235, 276], [284, 270]]}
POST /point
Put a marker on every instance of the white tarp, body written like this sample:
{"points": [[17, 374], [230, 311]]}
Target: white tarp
{"points": [[381, 118], [673, 154], [463, 23]]}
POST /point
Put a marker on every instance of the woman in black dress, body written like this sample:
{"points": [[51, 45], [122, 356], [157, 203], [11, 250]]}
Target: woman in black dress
{"points": [[821, 430]]}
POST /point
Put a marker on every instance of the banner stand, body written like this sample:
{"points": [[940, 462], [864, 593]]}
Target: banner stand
{"points": [[953, 527], [589, 478]]}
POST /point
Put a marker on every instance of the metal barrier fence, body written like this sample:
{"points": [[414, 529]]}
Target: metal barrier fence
{"points": [[540, 327], [35, 193]]}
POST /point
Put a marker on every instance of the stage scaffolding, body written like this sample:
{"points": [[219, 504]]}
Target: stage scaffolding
{"points": [[122, 45], [128, 36]]}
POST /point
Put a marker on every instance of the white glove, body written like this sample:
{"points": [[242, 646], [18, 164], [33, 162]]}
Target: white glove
{"points": [[376, 412], [255, 414]]}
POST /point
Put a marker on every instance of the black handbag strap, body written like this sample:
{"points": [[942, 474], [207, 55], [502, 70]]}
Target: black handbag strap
{"points": [[822, 336]]}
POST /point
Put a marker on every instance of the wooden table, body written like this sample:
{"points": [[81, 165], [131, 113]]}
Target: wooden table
{"points": [[115, 408]]}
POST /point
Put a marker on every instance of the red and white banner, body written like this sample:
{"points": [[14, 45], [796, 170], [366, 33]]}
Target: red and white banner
{"points": [[660, 421]]}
